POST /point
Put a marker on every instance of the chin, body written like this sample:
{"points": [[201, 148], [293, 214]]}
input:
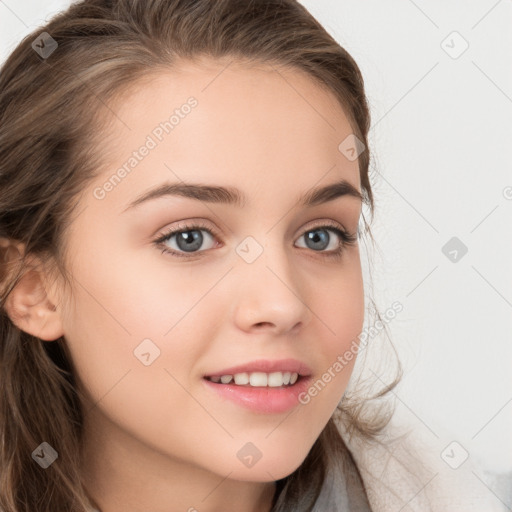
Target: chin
{"points": [[267, 470]]}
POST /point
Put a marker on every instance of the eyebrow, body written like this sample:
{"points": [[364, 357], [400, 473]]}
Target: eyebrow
{"points": [[235, 197]]}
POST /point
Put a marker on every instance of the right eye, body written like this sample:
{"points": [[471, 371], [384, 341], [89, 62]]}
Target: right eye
{"points": [[188, 239]]}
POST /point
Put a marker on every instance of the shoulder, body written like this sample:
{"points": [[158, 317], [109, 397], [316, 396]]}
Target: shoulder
{"points": [[411, 469]]}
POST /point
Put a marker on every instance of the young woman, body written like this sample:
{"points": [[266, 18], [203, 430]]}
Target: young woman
{"points": [[182, 185]]}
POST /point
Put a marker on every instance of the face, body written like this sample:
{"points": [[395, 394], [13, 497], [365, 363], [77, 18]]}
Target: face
{"points": [[267, 283]]}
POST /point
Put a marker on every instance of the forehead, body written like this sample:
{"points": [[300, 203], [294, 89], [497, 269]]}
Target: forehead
{"points": [[252, 125]]}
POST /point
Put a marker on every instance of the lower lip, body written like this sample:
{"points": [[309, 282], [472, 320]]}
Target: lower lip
{"points": [[262, 399]]}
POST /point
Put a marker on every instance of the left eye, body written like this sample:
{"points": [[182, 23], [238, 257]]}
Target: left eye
{"points": [[189, 239], [318, 238]]}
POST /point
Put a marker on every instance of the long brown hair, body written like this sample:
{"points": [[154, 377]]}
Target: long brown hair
{"points": [[52, 109]]}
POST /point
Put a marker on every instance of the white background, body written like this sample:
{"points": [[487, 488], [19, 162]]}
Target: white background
{"points": [[441, 139]]}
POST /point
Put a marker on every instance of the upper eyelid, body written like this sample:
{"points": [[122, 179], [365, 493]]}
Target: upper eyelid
{"points": [[185, 226]]}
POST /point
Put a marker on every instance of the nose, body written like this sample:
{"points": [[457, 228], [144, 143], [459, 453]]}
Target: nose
{"points": [[270, 294]]}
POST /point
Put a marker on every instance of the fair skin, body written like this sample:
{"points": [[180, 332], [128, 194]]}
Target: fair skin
{"points": [[155, 437]]}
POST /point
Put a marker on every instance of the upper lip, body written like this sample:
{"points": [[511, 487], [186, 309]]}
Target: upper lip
{"points": [[266, 366]]}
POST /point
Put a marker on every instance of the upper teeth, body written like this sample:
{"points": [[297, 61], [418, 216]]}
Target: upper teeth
{"points": [[258, 379]]}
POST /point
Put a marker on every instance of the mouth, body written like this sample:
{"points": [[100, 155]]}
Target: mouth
{"points": [[262, 373], [258, 379], [252, 393], [263, 386]]}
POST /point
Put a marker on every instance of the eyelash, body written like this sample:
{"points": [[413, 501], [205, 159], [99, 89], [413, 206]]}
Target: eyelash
{"points": [[347, 239]]}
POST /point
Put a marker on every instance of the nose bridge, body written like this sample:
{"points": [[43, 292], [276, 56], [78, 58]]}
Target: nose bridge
{"points": [[266, 261]]}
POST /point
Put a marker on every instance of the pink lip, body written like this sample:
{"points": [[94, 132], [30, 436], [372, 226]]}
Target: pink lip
{"points": [[262, 399], [266, 366]]}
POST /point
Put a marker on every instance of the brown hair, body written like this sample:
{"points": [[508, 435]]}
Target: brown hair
{"points": [[52, 110]]}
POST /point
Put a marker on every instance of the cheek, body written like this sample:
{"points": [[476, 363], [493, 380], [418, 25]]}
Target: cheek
{"points": [[138, 317], [118, 324], [340, 309]]}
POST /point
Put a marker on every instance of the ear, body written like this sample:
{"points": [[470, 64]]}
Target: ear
{"points": [[28, 306]]}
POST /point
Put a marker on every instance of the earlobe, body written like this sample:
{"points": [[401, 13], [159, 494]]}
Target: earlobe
{"points": [[30, 309]]}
